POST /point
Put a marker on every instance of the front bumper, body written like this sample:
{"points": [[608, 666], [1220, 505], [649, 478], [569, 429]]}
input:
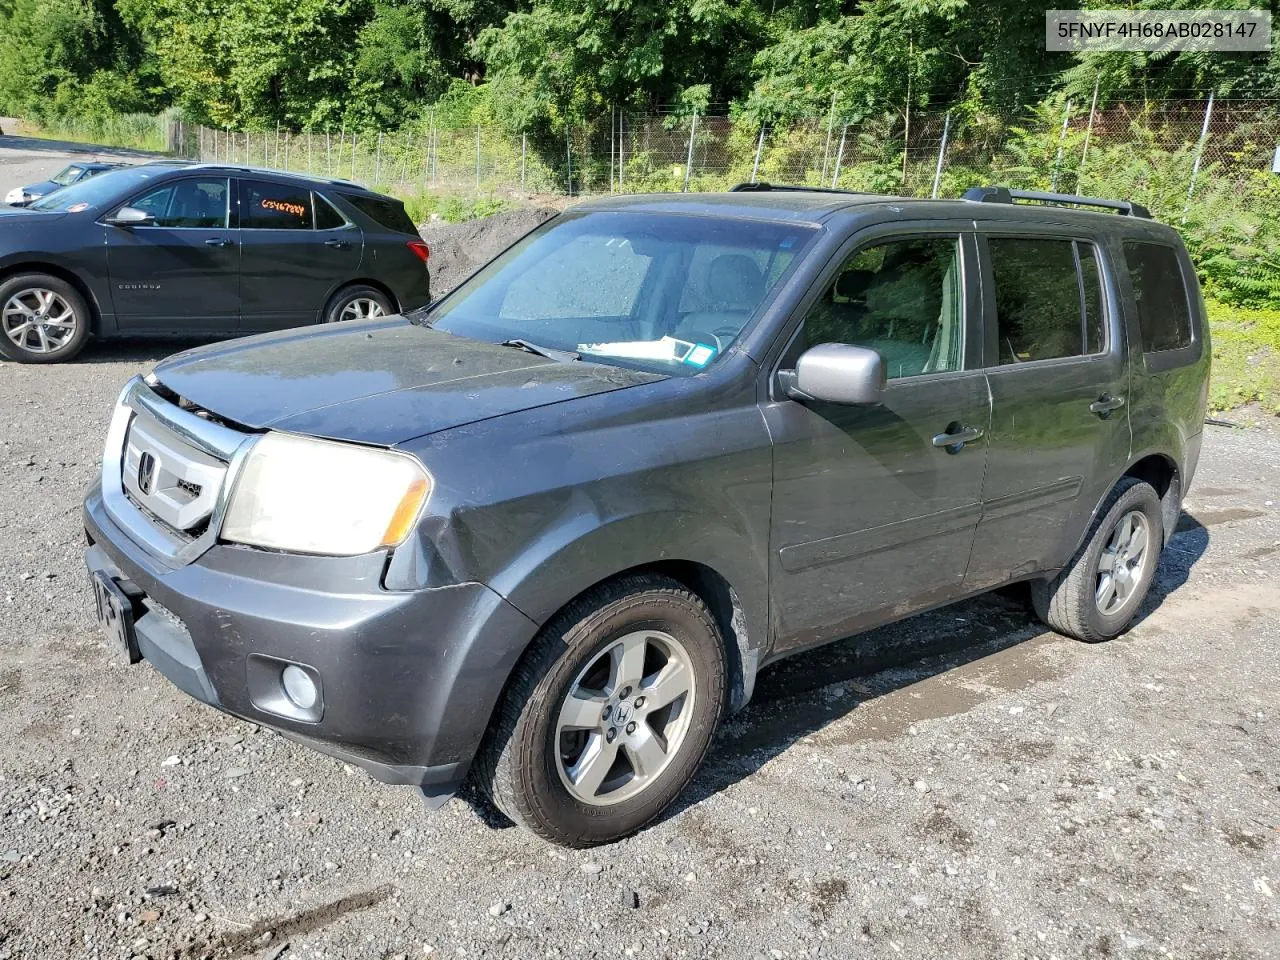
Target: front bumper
{"points": [[408, 680]]}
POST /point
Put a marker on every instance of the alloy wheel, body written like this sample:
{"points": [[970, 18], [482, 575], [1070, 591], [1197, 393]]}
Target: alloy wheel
{"points": [[1122, 564], [362, 308], [38, 320], [625, 717]]}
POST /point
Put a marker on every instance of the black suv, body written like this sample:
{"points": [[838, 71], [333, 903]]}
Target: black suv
{"points": [[180, 249], [545, 532]]}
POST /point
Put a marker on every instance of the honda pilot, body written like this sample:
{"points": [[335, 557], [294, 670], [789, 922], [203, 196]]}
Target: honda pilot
{"points": [[544, 533]]}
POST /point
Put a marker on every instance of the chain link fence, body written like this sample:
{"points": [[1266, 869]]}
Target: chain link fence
{"points": [[934, 151]]}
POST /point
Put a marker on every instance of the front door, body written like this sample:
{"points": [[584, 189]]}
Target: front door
{"points": [[874, 508], [182, 274], [297, 251], [1060, 436]]}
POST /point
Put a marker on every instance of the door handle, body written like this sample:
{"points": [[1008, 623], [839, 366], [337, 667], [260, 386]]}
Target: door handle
{"points": [[337, 244], [217, 242], [956, 437], [1105, 404]]}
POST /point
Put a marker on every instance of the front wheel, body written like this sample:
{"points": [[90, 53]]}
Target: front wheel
{"points": [[608, 714], [43, 319], [1096, 596], [358, 303]]}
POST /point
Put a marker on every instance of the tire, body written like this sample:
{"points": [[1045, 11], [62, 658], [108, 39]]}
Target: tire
{"points": [[43, 319], [1077, 601], [358, 302], [528, 763]]}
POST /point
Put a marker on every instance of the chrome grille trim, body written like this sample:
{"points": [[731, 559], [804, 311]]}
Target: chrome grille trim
{"points": [[212, 461]]}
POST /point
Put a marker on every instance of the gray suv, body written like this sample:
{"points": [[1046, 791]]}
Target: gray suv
{"points": [[543, 533]]}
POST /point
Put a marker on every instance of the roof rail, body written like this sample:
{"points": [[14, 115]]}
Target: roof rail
{"points": [[1004, 195], [759, 186]]}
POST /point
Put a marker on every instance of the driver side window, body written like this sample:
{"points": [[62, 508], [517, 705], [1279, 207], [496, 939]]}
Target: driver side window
{"points": [[903, 299], [195, 204]]}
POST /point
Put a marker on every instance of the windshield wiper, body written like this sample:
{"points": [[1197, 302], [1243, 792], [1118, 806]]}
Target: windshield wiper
{"points": [[551, 353]]}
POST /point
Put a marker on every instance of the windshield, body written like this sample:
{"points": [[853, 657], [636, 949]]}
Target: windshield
{"points": [[66, 175], [103, 190], [662, 292]]}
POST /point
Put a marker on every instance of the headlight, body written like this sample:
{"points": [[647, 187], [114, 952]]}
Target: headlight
{"points": [[316, 496]]}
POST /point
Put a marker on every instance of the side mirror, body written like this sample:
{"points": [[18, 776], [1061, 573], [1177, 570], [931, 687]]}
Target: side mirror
{"points": [[836, 373], [131, 217]]}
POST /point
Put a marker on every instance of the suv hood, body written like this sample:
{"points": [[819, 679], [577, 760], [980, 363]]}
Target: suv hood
{"points": [[381, 382]]}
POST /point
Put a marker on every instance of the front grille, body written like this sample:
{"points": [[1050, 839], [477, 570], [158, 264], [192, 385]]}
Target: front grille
{"points": [[175, 484]]}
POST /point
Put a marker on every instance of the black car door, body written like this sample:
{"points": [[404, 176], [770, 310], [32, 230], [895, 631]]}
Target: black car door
{"points": [[298, 249], [875, 507], [179, 274]]}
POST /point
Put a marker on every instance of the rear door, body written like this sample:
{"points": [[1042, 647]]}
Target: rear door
{"points": [[1055, 355], [298, 249], [874, 511], [182, 274]]}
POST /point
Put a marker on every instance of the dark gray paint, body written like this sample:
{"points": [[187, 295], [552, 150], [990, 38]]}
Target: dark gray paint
{"points": [[816, 520]]}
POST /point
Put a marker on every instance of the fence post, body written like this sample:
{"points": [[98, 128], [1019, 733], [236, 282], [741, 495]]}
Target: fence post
{"points": [[613, 144], [524, 149], [1062, 139], [755, 166], [942, 153], [568, 154], [377, 161], [621, 153], [477, 158], [277, 157], [353, 154], [287, 136], [831, 126], [688, 163], [1195, 166], [1088, 135], [835, 177]]}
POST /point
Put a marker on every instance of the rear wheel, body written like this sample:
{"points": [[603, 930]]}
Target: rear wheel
{"points": [[1095, 597], [358, 302], [43, 319], [608, 714]]}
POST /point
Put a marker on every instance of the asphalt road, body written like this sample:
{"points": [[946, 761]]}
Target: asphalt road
{"points": [[26, 160], [959, 785]]}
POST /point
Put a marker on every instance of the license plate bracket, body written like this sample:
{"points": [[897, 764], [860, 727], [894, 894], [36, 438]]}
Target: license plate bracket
{"points": [[115, 616]]}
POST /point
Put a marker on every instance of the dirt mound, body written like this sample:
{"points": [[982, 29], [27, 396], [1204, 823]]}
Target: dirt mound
{"points": [[457, 249]]}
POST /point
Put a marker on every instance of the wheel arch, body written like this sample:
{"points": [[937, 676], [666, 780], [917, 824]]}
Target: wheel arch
{"points": [[67, 276]]}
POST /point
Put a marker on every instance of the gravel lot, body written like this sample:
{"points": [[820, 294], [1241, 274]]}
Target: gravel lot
{"points": [[961, 785]]}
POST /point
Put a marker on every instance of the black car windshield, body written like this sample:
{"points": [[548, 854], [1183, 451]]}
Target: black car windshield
{"points": [[103, 190], [656, 291], [66, 175]]}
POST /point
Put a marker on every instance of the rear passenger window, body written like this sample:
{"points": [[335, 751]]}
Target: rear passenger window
{"points": [[274, 206], [327, 218], [384, 211], [1048, 299], [903, 299], [1163, 312]]}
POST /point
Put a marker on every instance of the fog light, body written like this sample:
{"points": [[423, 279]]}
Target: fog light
{"points": [[299, 687]]}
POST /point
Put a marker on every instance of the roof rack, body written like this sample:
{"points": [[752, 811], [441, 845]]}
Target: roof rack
{"points": [[1004, 195], [759, 186]]}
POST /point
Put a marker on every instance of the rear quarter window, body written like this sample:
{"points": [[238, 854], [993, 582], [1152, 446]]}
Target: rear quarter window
{"points": [[1160, 290], [384, 211]]}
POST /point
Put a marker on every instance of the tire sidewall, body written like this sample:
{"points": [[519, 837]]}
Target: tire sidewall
{"points": [[74, 345], [1140, 496], [333, 312], [537, 734]]}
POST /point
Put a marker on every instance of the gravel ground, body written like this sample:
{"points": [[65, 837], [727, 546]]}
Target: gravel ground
{"points": [[962, 784]]}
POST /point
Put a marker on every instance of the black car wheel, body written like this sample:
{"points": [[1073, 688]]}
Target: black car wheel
{"points": [[608, 714], [358, 303], [43, 319], [1096, 596]]}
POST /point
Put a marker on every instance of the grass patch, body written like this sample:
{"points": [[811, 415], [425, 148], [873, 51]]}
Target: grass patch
{"points": [[453, 208], [136, 131], [1246, 357]]}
